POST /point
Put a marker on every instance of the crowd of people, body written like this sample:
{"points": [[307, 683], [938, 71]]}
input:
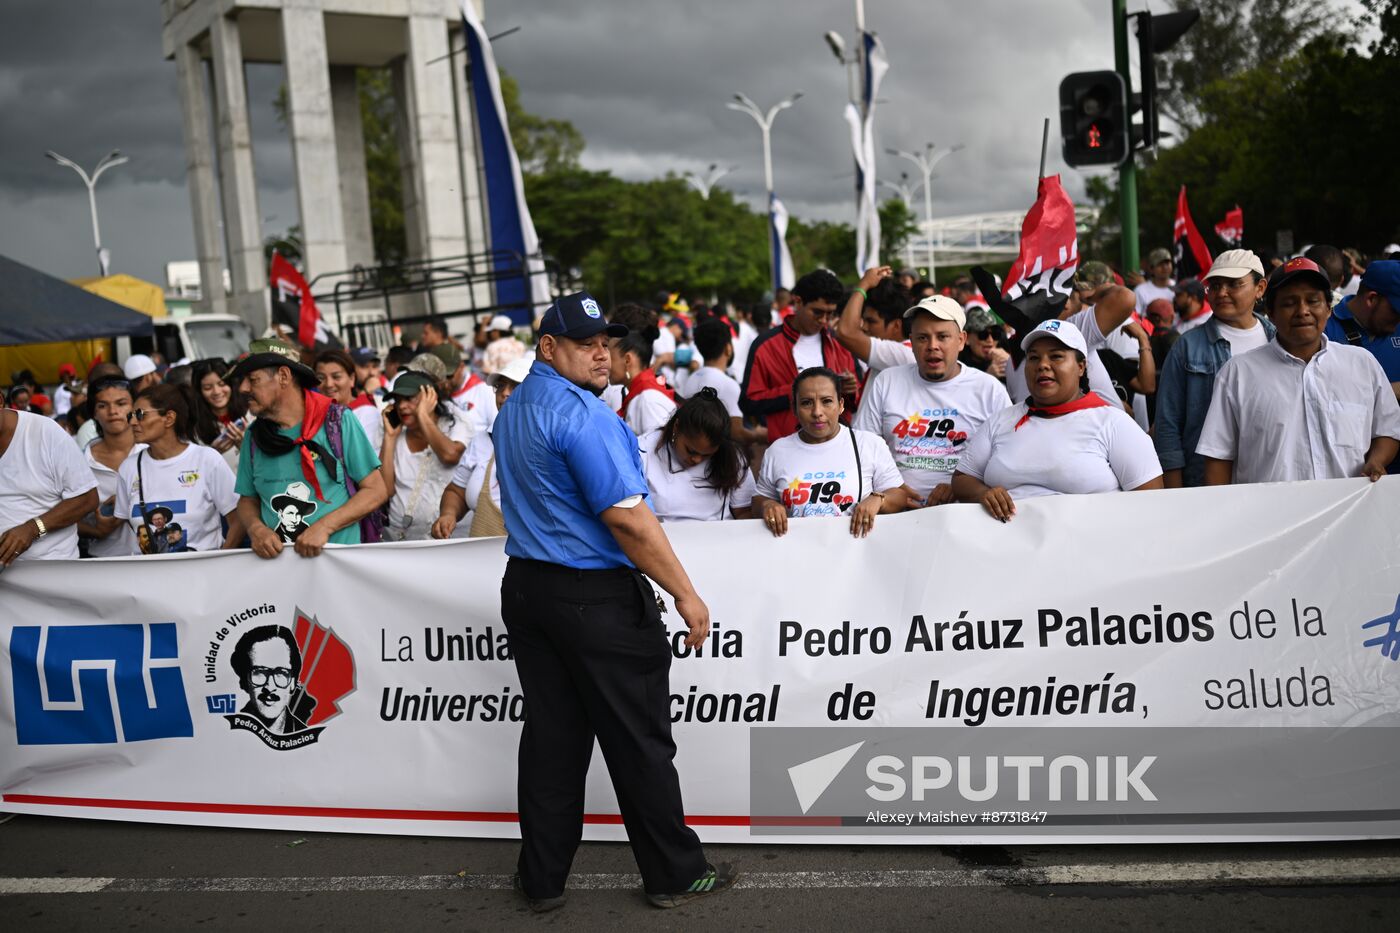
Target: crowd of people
{"points": [[828, 400]]}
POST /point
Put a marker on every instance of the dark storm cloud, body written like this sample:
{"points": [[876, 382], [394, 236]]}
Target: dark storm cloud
{"points": [[644, 80]]}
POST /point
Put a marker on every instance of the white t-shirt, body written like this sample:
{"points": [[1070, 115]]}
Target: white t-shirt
{"points": [[86, 434], [682, 494], [471, 476], [648, 411], [1147, 293], [721, 382], [747, 335], [1099, 382], [414, 505], [479, 402], [62, 400], [1279, 419], [1126, 346], [40, 469], [927, 424], [1186, 326], [368, 416], [664, 343], [1242, 341], [821, 479], [807, 352], [887, 354], [1094, 450], [195, 488], [122, 540]]}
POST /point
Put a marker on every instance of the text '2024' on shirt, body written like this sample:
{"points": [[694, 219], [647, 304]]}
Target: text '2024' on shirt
{"points": [[926, 424], [823, 479]]}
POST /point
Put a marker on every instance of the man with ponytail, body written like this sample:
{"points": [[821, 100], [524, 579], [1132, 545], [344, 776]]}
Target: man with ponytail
{"points": [[300, 453]]}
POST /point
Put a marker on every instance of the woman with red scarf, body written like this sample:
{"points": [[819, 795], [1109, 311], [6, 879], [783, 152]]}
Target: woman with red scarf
{"points": [[647, 402], [1063, 439]]}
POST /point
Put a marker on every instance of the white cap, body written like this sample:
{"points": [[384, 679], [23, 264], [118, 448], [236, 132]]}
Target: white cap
{"points": [[138, 365], [501, 322], [1063, 331], [1235, 264], [516, 371], [941, 307]]}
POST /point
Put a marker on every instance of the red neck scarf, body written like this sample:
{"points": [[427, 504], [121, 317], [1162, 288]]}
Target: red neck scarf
{"points": [[644, 380], [360, 401], [316, 407], [472, 382], [1089, 400]]}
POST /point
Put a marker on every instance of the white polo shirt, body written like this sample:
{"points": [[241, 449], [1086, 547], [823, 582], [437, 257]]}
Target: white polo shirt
{"points": [[1280, 419], [927, 424]]}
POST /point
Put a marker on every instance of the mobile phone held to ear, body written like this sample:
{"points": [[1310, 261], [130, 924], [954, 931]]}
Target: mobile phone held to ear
{"points": [[394, 415]]}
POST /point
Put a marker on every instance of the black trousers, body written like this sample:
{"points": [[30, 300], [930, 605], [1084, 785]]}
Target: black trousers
{"points": [[593, 660]]}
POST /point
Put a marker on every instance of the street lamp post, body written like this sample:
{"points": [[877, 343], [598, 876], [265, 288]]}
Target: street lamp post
{"points": [[926, 161], [712, 175], [744, 104], [906, 194], [110, 159]]}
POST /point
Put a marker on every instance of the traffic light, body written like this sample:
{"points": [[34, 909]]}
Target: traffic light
{"points": [[1094, 118], [1156, 34]]}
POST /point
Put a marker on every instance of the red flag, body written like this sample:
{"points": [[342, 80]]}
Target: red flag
{"points": [[1049, 245], [1231, 229], [289, 284], [1192, 257]]}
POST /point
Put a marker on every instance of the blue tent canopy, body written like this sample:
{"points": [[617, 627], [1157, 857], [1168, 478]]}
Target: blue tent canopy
{"points": [[38, 308]]}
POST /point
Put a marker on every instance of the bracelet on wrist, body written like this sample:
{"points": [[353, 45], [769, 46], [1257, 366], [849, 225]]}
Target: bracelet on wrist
{"points": [[862, 293]]}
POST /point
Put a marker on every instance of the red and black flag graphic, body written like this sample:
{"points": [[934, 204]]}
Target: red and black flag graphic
{"points": [[1190, 254], [1231, 229], [294, 308]]}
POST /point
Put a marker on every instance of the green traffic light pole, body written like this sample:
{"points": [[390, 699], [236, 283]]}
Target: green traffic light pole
{"points": [[1127, 172]]}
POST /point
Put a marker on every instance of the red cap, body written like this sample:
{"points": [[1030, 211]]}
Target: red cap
{"points": [[66, 369]]}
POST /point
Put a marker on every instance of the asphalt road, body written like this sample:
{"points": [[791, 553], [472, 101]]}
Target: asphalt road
{"points": [[64, 874]]}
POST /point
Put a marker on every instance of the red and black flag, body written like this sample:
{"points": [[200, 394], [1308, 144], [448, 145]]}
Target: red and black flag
{"points": [[294, 308], [1039, 282], [1190, 254], [1231, 229]]}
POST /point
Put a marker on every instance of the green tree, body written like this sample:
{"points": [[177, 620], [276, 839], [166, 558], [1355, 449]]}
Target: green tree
{"points": [[542, 144]]}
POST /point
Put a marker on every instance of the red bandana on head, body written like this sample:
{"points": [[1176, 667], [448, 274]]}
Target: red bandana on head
{"points": [[316, 407], [1050, 411]]}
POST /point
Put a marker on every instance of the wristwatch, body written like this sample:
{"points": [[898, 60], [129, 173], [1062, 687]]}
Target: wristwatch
{"points": [[39, 523]]}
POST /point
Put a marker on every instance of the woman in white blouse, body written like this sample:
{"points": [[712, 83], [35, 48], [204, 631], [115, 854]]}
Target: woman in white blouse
{"points": [[475, 487], [826, 469], [423, 442], [1063, 439], [694, 469]]}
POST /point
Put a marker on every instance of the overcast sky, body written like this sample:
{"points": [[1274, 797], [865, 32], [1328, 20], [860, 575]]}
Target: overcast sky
{"points": [[644, 80]]}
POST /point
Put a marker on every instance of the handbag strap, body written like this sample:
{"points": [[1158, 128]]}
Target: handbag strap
{"points": [[141, 498], [860, 476]]}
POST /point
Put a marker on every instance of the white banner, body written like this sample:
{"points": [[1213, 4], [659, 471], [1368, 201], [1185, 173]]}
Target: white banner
{"points": [[379, 695]]}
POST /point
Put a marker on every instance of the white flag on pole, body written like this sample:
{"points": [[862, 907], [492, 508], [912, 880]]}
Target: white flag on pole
{"points": [[784, 273], [863, 143]]}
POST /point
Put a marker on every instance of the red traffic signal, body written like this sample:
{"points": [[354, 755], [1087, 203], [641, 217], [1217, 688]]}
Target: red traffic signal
{"points": [[1094, 123]]}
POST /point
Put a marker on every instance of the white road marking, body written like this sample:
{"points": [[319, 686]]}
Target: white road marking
{"points": [[1272, 872]]}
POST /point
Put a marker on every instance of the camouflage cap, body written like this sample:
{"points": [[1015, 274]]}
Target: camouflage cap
{"points": [[979, 320], [429, 364], [1092, 275]]}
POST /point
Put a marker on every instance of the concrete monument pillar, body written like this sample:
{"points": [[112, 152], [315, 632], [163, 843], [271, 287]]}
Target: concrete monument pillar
{"points": [[350, 155], [199, 168], [242, 222]]}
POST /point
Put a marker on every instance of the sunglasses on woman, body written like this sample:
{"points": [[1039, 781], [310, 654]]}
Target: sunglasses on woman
{"points": [[139, 414]]}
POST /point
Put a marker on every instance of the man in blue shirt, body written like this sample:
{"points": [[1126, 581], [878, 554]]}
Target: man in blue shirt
{"points": [[1368, 319], [585, 625]]}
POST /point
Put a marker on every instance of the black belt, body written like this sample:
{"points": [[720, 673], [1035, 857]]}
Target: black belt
{"points": [[544, 566]]}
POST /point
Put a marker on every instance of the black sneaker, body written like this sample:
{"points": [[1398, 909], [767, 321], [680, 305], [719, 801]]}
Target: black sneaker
{"points": [[716, 879], [540, 905]]}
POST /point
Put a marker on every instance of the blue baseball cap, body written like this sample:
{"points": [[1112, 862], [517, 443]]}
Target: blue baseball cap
{"points": [[1383, 276], [578, 317]]}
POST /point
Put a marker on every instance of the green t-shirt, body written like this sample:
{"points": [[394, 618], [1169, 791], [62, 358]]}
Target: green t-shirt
{"points": [[289, 502]]}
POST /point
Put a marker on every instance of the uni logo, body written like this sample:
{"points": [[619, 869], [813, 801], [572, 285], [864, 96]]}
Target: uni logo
{"points": [[89, 684], [590, 308], [1052, 326]]}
